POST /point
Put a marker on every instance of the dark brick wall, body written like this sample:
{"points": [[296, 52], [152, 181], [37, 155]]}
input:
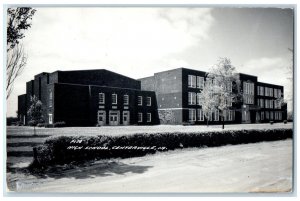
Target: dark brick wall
{"points": [[98, 77], [22, 107], [71, 104]]}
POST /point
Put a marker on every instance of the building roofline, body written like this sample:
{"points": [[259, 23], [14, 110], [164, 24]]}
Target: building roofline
{"points": [[102, 69], [86, 85]]}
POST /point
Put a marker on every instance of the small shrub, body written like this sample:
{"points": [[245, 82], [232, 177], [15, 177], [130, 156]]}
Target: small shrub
{"points": [[59, 124], [98, 125], [285, 121], [40, 125], [32, 123], [271, 122]]}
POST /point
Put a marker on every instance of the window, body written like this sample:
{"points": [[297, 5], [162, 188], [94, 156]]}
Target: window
{"points": [[267, 104], [280, 116], [192, 81], [257, 116], [200, 82], [140, 100], [192, 115], [267, 91], [192, 98], [230, 115], [216, 115], [271, 92], [262, 115], [258, 87], [275, 93], [148, 117], [267, 115], [262, 91], [198, 99], [114, 99], [148, 101], [271, 103], [200, 115], [279, 93], [271, 115], [140, 117], [126, 100], [101, 98], [50, 98], [262, 105], [248, 88]]}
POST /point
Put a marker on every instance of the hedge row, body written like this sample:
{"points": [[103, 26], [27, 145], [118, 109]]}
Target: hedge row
{"points": [[66, 149]]}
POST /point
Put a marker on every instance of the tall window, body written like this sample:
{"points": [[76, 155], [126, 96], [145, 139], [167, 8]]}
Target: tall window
{"points": [[271, 103], [216, 115], [279, 93], [248, 92], [140, 100], [148, 101], [267, 92], [200, 82], [262, 91], [271, 115], [148, 117], [198, 99], [267, 104], [192, 98], [275, 93], [271, 92], [50, 98], [267, 115], [262, 105], [192, 115], [126, 100], [200, 115], [140, 117], [114, 99], [230, 115], [262, 115], [101, 98], [192, 81]]}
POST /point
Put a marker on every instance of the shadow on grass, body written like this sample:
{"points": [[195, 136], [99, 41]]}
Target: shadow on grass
{"points": [[87, 170]]}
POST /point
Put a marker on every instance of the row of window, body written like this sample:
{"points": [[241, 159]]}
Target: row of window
{"points": [[268, 103], [195, 81], [268, 115], [267, 91], [140, 117], [194, 98], [114, 99], [213, 116]]}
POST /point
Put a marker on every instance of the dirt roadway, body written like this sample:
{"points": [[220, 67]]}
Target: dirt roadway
{"points": [[260, 167]]}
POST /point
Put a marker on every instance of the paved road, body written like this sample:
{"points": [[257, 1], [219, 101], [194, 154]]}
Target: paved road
{"points": [[259, 167]]}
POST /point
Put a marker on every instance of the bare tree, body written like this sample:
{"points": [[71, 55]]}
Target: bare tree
{"points": [[226, 86], [16, 61], [18, 20]]}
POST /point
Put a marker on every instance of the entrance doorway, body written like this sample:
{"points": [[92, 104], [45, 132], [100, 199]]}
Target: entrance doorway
{"points": [[114, 118], [126, 118], [101, 117]]}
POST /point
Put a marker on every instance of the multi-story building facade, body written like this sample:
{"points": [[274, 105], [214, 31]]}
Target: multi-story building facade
{"points": [[177, 92], [102, 97], [89, 98]]}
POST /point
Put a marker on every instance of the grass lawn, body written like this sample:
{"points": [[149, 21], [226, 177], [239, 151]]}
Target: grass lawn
{"points": [[127, 130]]}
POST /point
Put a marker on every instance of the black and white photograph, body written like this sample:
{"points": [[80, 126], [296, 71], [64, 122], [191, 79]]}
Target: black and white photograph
{"points": [[149, 99]]}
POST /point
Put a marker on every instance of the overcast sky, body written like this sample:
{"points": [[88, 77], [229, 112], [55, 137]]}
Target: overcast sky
{"points": [[137, 42]]}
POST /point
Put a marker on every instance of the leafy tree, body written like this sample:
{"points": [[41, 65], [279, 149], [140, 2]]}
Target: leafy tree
{"points": [[35, 112], [226, 86], [18, 20]]}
